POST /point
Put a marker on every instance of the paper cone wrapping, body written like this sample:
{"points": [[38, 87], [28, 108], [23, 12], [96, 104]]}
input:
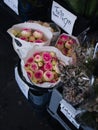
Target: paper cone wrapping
{"points": [[21, 46]]}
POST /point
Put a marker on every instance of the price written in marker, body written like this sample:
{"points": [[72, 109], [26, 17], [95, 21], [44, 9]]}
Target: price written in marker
{"points": [[63, 17]]}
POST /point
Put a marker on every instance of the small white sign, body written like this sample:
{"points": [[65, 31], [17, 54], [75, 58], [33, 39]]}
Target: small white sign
{"points": [[13, 4], [63, 17], [70, 112], [23, 86], [95, 51]]}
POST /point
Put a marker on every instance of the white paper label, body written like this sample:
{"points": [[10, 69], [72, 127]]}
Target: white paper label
{"points": [[23, 87], [63, 17], [69, 112], [95, 51], [13, 4]]}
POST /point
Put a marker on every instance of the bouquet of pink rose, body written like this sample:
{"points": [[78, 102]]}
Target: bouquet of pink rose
{"points": [[41, 66], [29, 35], [66, 44], [26, 35]]}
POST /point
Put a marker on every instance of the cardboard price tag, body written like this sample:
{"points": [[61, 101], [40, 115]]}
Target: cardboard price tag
{"points": [[63, 17], [13, 4]]}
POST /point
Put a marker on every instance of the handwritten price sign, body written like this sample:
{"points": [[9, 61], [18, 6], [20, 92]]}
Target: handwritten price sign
{"points": [[63, 17], [13, 4]]}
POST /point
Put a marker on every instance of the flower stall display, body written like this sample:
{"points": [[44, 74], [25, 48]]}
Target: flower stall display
{"points": [[53, 61], [41, 66], [26, 35]]}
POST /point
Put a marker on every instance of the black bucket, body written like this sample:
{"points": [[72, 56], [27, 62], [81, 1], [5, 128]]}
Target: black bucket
{"points": [[37, 95]]}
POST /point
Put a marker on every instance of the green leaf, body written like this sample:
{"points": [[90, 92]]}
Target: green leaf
{"points": [[86, 8], [91, 8], [77, 5]]}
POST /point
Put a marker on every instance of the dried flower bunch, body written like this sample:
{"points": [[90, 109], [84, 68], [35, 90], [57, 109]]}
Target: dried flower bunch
{"points": [[77, 89], [76, 78], [90, 117]]}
